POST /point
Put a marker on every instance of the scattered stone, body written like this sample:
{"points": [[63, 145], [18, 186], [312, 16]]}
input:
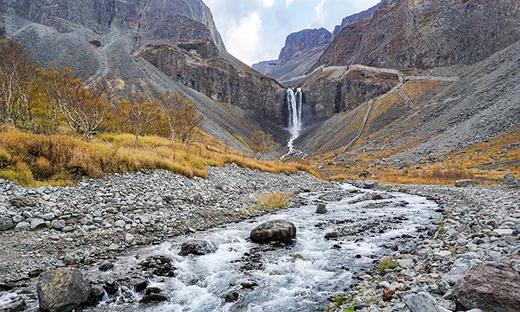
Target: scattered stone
{"points": [[62, 290], [96, 295], [321, 209], [105, 266], [491, 286], [37, 224], [22, 226], [159, 266], [197, 247], [23, 201], [273, 231], [129, 238], [464, 183], [422, 302], [510, 181], [6, 223], [58, 225]]}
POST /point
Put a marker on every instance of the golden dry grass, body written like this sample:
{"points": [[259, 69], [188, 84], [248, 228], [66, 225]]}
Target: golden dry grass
{"points": [[267, 202], [485, 162], [35, 160]]}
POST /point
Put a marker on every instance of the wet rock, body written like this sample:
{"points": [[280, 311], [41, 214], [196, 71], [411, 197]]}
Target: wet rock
{"points": [[197, 247], [6, 223], [491, 286], [321, 209], [464, 183], [105, 266], [153, 298], [12, 303], [422, 302], [248, 284], [96, 295], [232, 297], [159, 265], [62, 290], [276, 230]]}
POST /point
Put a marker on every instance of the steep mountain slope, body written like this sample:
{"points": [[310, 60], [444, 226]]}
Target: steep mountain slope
{"points": [[113, 39], [429, 115], [426, 34], [357, 18], [302, 49], [457, 63]]}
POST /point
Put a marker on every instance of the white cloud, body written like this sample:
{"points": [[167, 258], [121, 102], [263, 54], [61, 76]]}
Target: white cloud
{"points": [[243, 39], [288, 3]]}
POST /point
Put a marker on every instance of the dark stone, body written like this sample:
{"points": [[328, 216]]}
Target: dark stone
{"points": [[140, 285], [273, 231], [232, 297], [106, 266], [197, 247], [96, 295], [62, 290], [95, 43], [322, 209], [491, 287], [248, 284], [159, 265], [154, 298]]}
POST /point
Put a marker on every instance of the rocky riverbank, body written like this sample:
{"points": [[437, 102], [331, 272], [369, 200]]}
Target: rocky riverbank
{"points": [[98, 220], [471, 261], [404, 252]]}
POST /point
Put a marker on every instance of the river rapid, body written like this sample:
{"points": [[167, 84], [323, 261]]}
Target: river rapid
{"points": [[360, 228]]}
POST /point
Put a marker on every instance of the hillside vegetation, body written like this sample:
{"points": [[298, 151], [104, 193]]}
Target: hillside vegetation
{"points": [[54, 128]]}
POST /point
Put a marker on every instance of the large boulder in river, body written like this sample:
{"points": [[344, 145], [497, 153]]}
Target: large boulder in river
{"points": [[274, 231], [62, 290], [491, 287], [197, 247]]}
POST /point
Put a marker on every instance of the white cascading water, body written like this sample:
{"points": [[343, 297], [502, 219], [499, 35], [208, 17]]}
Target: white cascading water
{"points": [[294, 104]]}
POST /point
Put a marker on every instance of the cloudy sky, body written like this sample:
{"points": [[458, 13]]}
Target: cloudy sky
{"points": [[255, 30]]}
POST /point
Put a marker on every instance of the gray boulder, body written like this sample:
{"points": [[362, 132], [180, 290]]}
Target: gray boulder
{"points": [[38, 223], [62, 290], [197, 247], [422, 302], [273, 231], [491, 287], [23, 201], [511, 181], [6, 223]]}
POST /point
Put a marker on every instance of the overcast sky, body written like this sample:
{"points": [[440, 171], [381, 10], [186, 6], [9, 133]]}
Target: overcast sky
{"points": [[255, 30]]}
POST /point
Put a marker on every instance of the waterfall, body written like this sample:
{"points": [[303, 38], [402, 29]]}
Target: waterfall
{"points": [[295, 107]]}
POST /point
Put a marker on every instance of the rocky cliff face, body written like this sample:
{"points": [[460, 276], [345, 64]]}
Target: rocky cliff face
{"points": [[357, 18], [332, 91], [302, 49], [169, 44], [426, 34]]}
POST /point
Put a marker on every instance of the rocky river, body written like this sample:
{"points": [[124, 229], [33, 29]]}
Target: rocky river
{"points": [[154, 241]]}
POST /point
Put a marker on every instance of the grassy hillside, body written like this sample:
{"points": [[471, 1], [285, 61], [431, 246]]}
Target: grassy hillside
{"points": [[59, 160]]}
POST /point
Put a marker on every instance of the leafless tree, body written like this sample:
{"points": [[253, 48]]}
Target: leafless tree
{"points": [[84, 109], [181, 115]]}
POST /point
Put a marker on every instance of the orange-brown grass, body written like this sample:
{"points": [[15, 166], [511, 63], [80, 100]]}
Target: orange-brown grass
{"points": [[36, 160], [418, 90], [485, 162]]}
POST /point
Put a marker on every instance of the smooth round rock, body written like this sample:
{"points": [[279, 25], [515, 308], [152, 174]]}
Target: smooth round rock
{"points": [[273, 231]]}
